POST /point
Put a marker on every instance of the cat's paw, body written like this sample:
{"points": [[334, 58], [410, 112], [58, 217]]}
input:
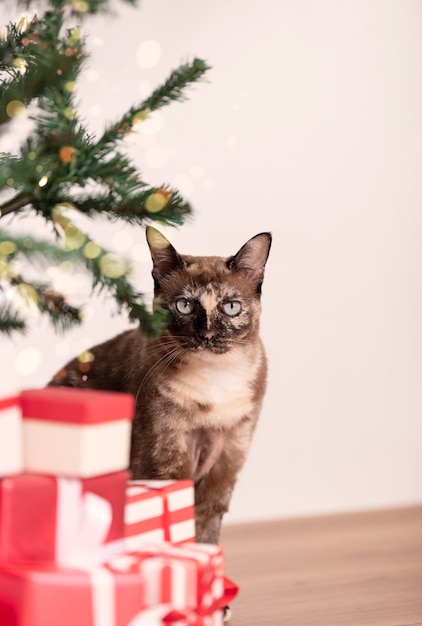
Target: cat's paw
{"points": [[227, 615]]}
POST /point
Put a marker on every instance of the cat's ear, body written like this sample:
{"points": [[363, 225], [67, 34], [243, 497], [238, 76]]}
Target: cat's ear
{"points": [[164, 256], [252, 257]]}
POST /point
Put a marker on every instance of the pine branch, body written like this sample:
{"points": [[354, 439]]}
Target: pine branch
{"points": [[173, 89], [37, 60], [10, 320], [109, 273], [16, 203], [62, 315]]}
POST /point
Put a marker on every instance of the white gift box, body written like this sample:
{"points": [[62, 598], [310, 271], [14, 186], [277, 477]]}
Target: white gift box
{"points": [[10, 436], [76, 432]]}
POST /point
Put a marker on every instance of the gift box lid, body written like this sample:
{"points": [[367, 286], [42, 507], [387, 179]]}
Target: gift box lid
{"points": [[76, 406]]}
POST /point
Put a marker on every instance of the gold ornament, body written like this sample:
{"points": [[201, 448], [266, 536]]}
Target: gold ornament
{"points": [[66, 154], [92, 250], [157, 200], [20, 65], [15, 108], [7, 247], [112, 266], [86, 357]]}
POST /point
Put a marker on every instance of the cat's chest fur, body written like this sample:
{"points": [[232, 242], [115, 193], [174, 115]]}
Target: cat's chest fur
{"points": [[216, 390]]}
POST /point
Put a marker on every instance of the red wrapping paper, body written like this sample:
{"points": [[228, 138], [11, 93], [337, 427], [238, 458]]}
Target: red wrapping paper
{"points": [[47, 596], [186, 577], [28, 513], [159, 511], [76, 406]]}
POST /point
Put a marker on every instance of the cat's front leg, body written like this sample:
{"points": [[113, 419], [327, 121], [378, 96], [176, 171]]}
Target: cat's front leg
{"points": [[161, 455], [214, 490], [212, 498]]}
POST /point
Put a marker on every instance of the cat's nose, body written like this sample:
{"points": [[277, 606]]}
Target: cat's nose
{"points": [[207, 334]]}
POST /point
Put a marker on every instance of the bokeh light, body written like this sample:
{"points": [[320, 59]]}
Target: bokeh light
{"points": [[15, 108], [148, 54], [112, 266], [28, 361], [184, 183]]}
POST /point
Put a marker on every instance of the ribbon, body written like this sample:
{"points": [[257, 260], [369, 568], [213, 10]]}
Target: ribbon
{"points": [[82, 524], [230, 592], [103, 597], [6, 403], [194, 618], [151, 617]]}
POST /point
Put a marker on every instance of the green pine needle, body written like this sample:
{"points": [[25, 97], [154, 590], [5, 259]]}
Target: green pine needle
{"points": [[10, 321]]}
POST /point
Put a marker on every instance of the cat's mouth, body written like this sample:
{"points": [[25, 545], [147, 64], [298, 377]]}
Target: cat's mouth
{"points": [[210, 345]]}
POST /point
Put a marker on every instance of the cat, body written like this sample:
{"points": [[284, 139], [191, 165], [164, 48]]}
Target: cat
{"points": [[200, 385]]}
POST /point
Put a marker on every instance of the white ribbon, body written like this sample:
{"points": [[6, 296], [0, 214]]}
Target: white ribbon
{"points": [[103, 597], [82, 523]]}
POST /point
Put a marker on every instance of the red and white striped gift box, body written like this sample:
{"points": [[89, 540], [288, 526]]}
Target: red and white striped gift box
{"points": [[185, 577], [159, 510]]}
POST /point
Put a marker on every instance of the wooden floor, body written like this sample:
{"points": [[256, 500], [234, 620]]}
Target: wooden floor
{"points": [[362, 569]]}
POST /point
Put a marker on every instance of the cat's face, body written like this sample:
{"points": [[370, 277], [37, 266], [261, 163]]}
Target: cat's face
{"points": [[214, 302]]}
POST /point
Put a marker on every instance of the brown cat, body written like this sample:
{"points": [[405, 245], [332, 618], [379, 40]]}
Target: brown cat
{"points": [[200, 385]]}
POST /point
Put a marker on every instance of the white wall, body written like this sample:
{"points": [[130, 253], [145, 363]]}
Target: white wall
{"points": [[310, 126]]}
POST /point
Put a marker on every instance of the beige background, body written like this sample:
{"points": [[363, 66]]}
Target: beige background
{"points": [[310, 126]]}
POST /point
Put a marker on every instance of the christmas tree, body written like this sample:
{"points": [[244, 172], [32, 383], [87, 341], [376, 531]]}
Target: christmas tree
{"points": [[61, 169]]}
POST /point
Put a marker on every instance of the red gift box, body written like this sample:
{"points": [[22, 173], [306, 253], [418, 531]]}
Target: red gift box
{"points": [[76, 432], [10, 436], [159, 510], [47, 596], [43, 518], [186, 577]]}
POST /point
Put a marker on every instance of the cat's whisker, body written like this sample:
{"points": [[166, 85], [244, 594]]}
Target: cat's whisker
{"points": [[157, 369], [150, 348]]}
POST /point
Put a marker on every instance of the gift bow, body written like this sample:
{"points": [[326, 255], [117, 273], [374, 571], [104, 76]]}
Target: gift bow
{"points": [[230, 592], [82, 524]]}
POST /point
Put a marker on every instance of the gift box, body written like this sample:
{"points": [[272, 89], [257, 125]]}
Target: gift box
{"points": [[10, 436], [159, 510], [48, 596], [43, 518], [76, 432], [187, 577]]}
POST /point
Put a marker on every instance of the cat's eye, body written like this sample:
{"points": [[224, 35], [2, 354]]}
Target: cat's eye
{"points": [[184, 306], [232, 308]]}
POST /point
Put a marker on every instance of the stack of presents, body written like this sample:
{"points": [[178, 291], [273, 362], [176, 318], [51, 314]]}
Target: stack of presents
{"points": [[80, 543]]}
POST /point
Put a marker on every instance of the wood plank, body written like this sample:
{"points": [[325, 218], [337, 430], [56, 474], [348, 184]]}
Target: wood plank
{"points": [[360, 569]]}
